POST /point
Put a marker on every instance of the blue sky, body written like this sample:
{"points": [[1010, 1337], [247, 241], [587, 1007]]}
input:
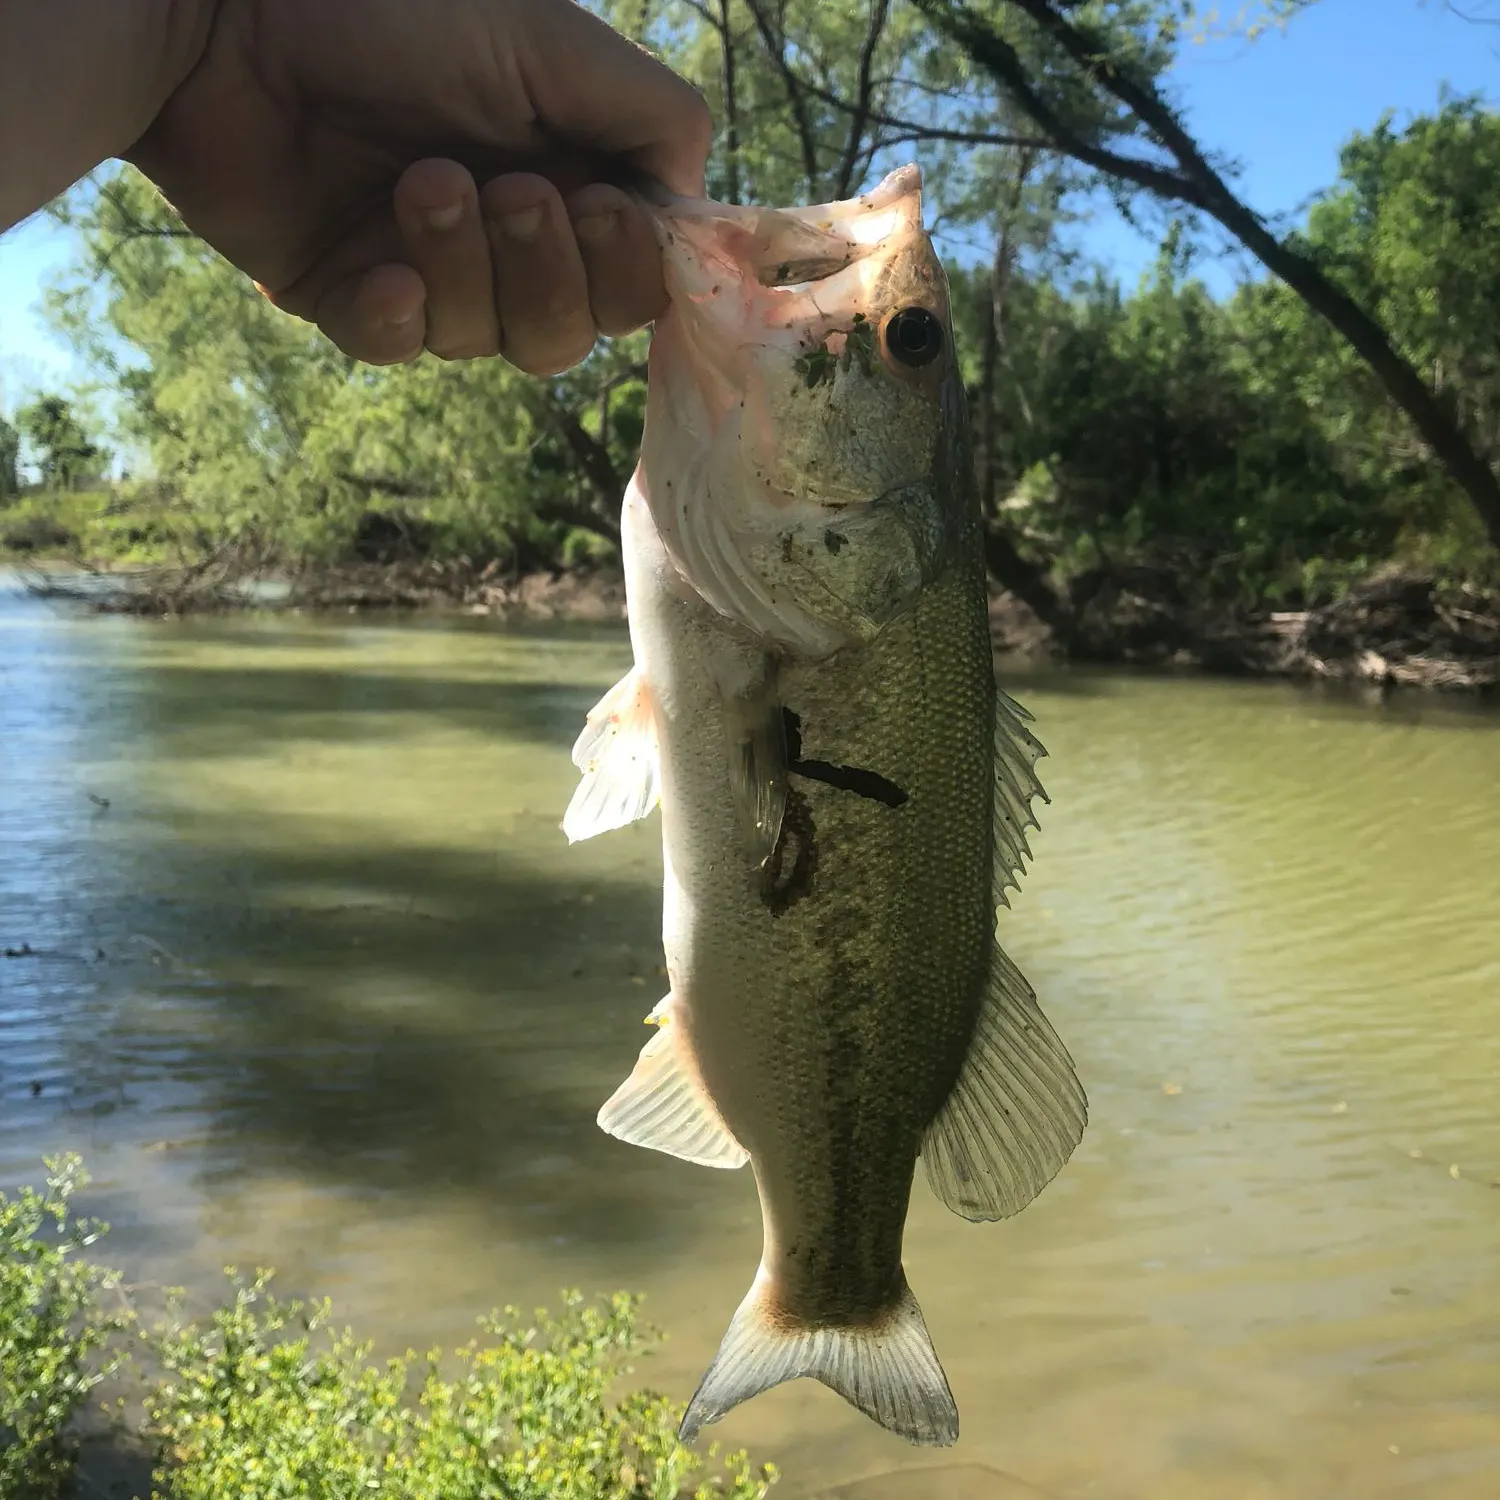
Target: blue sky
{"points": [[1281, 106]]}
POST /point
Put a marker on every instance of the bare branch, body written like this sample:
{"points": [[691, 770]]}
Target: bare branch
{"points": [[773, 38], [992, 52], [859, 111], [916, 131]]}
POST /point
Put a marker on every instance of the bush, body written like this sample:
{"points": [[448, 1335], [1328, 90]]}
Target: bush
{"points": [[55, 1340], [264, 1401], [27, 530]]}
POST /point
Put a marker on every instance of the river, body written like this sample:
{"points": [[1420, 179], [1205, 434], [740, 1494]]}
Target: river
{"points": [[314, 981]]}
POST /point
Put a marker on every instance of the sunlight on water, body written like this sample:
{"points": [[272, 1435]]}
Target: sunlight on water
{"points": [[306, 970]]}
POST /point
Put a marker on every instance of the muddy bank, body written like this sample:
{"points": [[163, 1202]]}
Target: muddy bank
{"points": [[1398, 628]]}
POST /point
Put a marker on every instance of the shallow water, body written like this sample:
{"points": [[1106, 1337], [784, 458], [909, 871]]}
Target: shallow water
{"points": [[322, 986]]}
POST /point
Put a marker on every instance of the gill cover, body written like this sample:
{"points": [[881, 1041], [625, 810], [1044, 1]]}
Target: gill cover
{"points": [[799, 410]]}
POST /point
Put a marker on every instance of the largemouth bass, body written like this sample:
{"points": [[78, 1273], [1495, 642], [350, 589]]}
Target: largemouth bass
{"points": [[845, 795]]}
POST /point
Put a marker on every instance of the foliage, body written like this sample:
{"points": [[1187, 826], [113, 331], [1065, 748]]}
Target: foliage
{"points": [[1238, 445], [10, 457], [263, 1400], [1137, 431], [60, 447], [256, 1405], [1406, 230], [56, 1340], [256, 429], [106, 523], [1100, 51]]}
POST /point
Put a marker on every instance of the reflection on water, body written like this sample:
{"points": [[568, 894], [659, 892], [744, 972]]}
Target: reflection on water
{"points": [[308, 973]]}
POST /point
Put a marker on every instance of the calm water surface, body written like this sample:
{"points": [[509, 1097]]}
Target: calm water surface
{"points": [[323, 987]]}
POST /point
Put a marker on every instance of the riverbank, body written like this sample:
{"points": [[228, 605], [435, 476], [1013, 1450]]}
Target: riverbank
{"points": [[1397, 628]]}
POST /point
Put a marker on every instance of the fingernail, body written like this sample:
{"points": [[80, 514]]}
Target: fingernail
{"points": [[445, 217], [595, 229], [401, 319], [523, 226]]}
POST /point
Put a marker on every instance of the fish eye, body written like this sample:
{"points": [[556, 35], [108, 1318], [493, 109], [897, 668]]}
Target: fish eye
{"points": [[914, 337]]}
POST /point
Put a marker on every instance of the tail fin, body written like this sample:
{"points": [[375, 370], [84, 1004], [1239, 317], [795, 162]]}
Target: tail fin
{"points": [[888, 1369]]}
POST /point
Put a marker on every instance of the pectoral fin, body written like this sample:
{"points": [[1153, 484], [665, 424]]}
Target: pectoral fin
{"points": [[617, 753], [1016, 1112], [758, 767], [664, 1106]]}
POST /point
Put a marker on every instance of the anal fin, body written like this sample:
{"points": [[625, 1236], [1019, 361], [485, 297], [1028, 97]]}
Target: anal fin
{"points": [[618, 755], [1016, 1113], [664, 1106]]}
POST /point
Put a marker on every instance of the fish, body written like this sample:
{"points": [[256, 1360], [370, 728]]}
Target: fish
{"points": [[845, 792]]}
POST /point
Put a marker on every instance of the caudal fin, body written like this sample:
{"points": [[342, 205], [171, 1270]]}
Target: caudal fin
{"points": [[888, 1369]]}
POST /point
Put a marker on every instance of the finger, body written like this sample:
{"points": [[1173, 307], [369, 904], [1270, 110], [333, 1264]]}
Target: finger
{"points": [[620, 257], [540, 286], [437, 210], [376, 316], [592, 87]]}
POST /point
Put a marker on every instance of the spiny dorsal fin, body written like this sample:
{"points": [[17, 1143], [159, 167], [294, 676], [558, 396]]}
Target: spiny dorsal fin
{"points": [[1016, 1112], [617, 753], [1017, 751], [664, 1106]]}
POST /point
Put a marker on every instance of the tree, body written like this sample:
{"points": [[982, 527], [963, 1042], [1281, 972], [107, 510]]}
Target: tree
{"points": [[261, 434], [1094, 48], [1407, 231], [62, 450], [10, 458]]}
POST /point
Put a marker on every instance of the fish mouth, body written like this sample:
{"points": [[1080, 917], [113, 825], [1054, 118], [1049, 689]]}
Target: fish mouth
{"points": [[787, 247]]}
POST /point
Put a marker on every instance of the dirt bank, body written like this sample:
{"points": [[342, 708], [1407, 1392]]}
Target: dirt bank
{"points": [[1398, 628]]}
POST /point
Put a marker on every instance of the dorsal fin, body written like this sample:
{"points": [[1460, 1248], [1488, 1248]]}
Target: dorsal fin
{"points": [[1018, 1110], [1017, 750]]}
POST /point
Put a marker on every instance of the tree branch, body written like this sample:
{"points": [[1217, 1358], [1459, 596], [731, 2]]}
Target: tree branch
{"points": [[593, 461], [1197, 183], [993, 53], [917, 130], [859, 111], [774, 42]]}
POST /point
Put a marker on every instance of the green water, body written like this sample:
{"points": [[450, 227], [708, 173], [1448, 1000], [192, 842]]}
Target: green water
{"points": [[324, 987]]}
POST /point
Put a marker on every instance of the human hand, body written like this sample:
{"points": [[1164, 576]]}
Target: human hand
{"points": [[426, 175]]}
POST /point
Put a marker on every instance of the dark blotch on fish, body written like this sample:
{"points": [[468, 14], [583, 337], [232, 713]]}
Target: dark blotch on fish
{"points": [[782, 889], [856, 779]]}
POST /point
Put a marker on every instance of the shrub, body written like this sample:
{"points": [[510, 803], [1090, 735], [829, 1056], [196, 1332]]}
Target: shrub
{"points": [[56, 1342], [263, 1400]]}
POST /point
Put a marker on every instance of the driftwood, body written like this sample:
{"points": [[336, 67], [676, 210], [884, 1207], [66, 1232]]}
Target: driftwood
{"points": [[222, 581]]}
